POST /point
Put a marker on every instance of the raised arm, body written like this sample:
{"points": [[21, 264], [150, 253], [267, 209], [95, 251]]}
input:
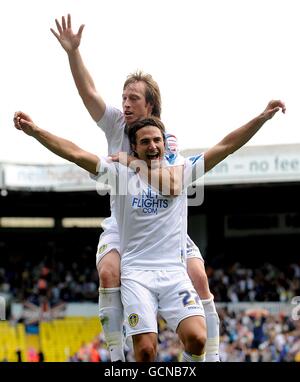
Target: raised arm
{"points": [[83, 80], [239, 137], [59, 146]]}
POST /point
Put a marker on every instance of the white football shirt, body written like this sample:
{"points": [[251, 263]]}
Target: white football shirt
{"points": [[113, 125], [152, 227]]}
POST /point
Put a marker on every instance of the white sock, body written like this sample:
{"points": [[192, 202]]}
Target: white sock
{"points": [[111, 317], [212, 325], [188, 357]]}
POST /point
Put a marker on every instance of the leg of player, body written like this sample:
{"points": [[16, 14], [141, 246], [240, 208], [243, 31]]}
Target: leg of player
{"points": [[192, 332], [110, 305], [145, 347], [196, 271]]}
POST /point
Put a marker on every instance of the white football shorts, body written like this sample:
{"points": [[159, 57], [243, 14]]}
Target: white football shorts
{"points": [[108, 241], [145, 293]]}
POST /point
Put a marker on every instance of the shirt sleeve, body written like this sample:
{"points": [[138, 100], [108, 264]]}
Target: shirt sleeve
{"points": [[112, 177], [107, 175], [194, 169], [104, 166], [174, 159], [112, 124]]}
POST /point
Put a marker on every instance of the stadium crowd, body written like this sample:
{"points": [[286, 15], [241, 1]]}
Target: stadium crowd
{"points": [[237, 283], [259, 336], [60, 280], [246, 336], [75, 281]]}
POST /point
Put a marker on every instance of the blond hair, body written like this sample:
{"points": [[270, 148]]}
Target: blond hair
{"points": [[152, 94]]}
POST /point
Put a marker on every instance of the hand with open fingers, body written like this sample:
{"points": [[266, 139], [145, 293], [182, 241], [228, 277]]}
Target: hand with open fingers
{"points": [[69, 40]]}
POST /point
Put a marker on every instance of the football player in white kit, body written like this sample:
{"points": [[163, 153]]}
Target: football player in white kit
{"points": [[153, 230], [154, 278], [141, 98]]}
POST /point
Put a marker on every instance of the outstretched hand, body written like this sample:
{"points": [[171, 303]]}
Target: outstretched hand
{"points": [[23, 122], [122, 157], [272, 108], [128, 160], [66, 37]]}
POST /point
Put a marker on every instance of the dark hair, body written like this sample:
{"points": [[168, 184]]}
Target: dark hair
{"points": [[151, 121], [152, 93]]}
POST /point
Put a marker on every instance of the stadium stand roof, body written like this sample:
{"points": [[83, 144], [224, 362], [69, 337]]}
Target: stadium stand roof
{"points": [[256, 164], [250, 164]]}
